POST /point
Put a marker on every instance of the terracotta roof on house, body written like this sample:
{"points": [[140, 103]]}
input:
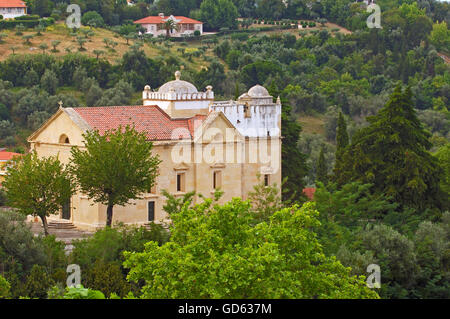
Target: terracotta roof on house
{"points": [[309, 192], [12, 4], [7, 156], [159, 20], [149, 119]]}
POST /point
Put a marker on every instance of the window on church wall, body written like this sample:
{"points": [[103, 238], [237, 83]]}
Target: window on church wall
{"points": [[181, 181], [217, 179], [64, 139], [266, 180]]}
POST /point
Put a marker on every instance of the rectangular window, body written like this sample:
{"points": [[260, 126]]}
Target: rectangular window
{"points": [[217, 179], [151, 211], [266, 180], [181, 182]]}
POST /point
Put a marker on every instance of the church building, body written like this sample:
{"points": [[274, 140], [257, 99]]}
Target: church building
{"points": [[204, 145]]}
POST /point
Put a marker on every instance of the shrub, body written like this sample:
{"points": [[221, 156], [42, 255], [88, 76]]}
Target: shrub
{"points": [[4, 288]]}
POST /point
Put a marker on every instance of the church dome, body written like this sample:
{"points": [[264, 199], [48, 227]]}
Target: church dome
{"points": [[178, 86], [258, 91]]}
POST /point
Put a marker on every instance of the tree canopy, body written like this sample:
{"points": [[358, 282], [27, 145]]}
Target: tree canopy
{"points": [[114, 167]]}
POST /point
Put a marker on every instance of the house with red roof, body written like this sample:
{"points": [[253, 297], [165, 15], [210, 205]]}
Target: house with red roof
{"points": [[204, 145], [10, 9], [5, 157], [185, 26]]}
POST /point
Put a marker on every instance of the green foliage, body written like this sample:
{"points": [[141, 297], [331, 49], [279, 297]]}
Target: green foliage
{"points": [[100, 256], [107, 278], [392, 154], [80, 292], [107, 245], [115, 167], [38, 282], [443, 156], [38, 187], [4, 288], [322, 169], [265, 200], [93, 19], [440, 36], [215, 252], [218, 14]]}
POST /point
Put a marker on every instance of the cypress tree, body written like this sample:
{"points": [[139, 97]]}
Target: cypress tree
{"points": [[322, 169], [392, 155], [342, 141]]}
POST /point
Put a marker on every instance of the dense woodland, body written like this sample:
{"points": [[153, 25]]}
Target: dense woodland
{"points": [[381, 168]]}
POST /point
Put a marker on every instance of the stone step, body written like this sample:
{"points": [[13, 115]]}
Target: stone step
{"points": [[61, 225]]}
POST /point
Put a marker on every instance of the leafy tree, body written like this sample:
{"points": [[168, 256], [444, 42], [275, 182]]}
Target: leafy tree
{"points": [[98, 53], [38, 282], [49, 81], [93, 19], [38, 187], [31, 78], [115, 167], [265, 199], [28, 38], [440, 36], [55, 43], [218, 14], [392, 154], [216, 252], [43, 47]]}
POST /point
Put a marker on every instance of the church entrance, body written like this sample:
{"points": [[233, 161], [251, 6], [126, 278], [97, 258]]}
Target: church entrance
{"points": [[66, 210]]}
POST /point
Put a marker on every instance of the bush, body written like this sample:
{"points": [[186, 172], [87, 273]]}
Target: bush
{"points": [[4, 288], [107, 278], [92, 18], [197, 33], [28, 17], [38, 282]]}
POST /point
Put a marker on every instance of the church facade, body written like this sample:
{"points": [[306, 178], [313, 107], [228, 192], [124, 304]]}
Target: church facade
{"points": [[204, 145]]}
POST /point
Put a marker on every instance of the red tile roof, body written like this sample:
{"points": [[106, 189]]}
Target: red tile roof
{"points": [[12, 4], [149, 119], [309, 192], [7, 156], [159, 20]]}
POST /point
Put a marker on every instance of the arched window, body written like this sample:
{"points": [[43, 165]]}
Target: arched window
{"points": [[64, 139]]}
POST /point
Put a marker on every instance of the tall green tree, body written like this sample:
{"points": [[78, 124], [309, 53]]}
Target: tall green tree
{"points": [[115, 167], [322, 169], [293, 161], [392, 154], [342, 141], [218, 14], [38, 186]]}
